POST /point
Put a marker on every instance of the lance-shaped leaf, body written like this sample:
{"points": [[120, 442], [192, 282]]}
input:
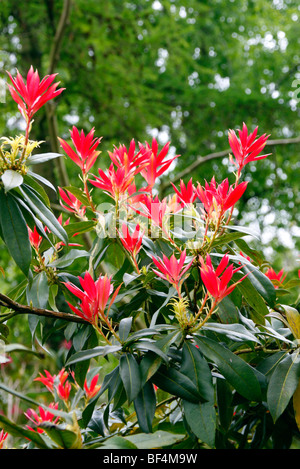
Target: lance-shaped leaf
{"points": [[283, 383], [15, 232], [41, 158], [240, 375], [177, 384], [43, 212], [202, 420], [195, 367], [145, 405], [130, 375]]}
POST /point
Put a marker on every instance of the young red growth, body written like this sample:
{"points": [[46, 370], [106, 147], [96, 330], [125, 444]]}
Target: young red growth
{"points": [[153, 209], [132, 242], [3, 437], [47, 380], [215, 283], [35, 238], [94, 297], [272, 275], [115, 182], [245, 148], [92, 389], [43, 416], [172, 269], [33, 94], [73, 204], [157, 166], [187, 194], [219, 197], [63, 390], [86, 148], [128, 159]]}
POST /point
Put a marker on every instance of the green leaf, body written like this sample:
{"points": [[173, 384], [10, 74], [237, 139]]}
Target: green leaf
{"points": [[15, 231], [43, 213], [124, 328], [41, 179], [41, 158], [225, 402], [283, 383], [236, 332], [78, 194], [11, 179], [130, 375], [37, 292], [258, 309], [117, 442], [240, 375], [202, 420], [145, 405], [64, 438], [100, 351], [293, 319], [30, 181], [196, 368], [261, 283], [149, 365], [177, 384], [158, 439], [145, 345], [80, 227], [69, 258]]}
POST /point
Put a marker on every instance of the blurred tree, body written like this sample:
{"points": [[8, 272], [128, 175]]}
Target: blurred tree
{"points": [[180, 70]]}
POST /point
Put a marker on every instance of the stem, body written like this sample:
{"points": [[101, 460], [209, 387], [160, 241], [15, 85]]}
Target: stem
{"points": [[26, 141], [209, 314]]}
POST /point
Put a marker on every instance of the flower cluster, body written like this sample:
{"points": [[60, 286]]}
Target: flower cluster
{"points": [[60, 387]]}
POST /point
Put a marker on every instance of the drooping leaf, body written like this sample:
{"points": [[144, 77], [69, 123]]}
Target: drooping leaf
{"points": [[15, 232], [293, 319], [37, 292], [130, 375], [195, 367], [239, 373], [41, 158], [124, 328], [43, 213], [176, 383], [283, 383], [202, 420], [100, 351], [145, 405]]}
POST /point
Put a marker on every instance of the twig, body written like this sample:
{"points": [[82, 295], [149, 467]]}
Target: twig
{"points": [[25, 309]]}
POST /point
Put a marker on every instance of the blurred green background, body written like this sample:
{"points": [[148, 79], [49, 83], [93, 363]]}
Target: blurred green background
{"points": [[184, 71]]}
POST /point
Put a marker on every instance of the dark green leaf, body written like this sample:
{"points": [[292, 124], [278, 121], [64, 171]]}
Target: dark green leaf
{"points": [[196, 368], [100, 351], [283, 383], [124, 328], [145, 405], [176, 384], [202, 420], [43, 213], [239, 374], [130, 375], [15, 231]]}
